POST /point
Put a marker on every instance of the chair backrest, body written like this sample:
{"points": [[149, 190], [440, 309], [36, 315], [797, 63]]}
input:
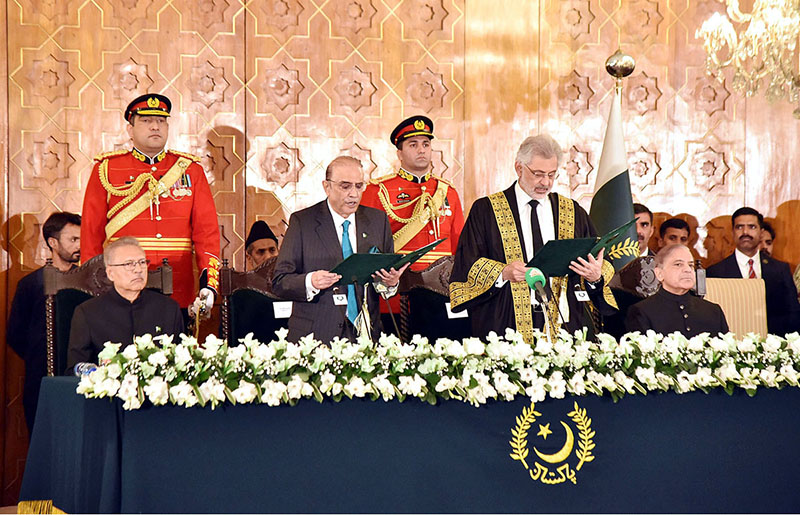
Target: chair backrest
{"points": [[424, 311], [248, 303], [64, 291], [743, 301], [637, 278]]}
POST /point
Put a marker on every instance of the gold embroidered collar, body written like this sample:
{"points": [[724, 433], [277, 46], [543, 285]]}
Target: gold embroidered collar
{"points": [[141, 156], [413, 178]]}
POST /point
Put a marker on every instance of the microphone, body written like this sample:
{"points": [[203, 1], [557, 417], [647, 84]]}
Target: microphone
{"points": [[536, 280]]}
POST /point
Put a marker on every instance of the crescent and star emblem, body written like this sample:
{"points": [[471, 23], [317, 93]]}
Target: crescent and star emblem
{"points": [[556, 468], [565, 451], [152, 102]]}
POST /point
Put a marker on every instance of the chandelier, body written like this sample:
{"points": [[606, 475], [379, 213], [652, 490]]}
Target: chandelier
{"points": [[762, 54]]}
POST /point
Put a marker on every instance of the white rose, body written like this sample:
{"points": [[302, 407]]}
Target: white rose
{"points": [[576, 384], [235, 353], [211, 347], [157, 358], [446, 383], [537, 391], [474, 346], [130, 352], [746, 344], [543, 346], [298, 388], [456, 350], [212, 390], [793, 342], [356, 387], [109, 351], [769, 376], [411, 385], [157, 391], [182, 394], [326, 381], [704, 377], [272, 392], [772, 343], [129, 387], [697, 343], [132, 404], [245, 393], [557, 385], [727, 372], [685, 382], [113, 370], [503, 386], [384, 386], [790, 374], [646, 376], [182, 356]]}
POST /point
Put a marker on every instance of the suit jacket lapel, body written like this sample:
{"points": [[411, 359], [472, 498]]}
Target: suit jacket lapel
{"points": [[364, 231], [326, 232]]}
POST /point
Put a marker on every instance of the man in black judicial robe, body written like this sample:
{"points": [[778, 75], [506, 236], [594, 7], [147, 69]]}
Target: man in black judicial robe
{"points": [[502, 233], [26, 332], [674, 307], [126, 311]]}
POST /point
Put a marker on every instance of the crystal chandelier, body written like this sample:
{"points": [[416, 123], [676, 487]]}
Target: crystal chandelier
{"points": [[764, 53]]}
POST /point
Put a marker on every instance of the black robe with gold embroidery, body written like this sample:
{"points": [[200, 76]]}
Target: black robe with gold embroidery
{"points": [[472, 279]]}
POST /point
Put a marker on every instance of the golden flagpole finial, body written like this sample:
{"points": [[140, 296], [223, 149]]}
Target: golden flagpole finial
{"points": [[619, 66]]}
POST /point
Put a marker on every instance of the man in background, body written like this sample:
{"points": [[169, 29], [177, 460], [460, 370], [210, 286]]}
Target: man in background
{"points": [[26, 332], [783, 310], [644, 228], [673, 232], [767, 238], [261, 245]]}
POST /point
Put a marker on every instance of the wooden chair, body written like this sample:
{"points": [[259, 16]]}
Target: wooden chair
{"points": [[248, 303], [743, 301], [65, 290], [423, 310]]}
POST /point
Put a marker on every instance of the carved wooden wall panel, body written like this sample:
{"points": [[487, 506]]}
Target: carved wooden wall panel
{"points": [[268, 92]]}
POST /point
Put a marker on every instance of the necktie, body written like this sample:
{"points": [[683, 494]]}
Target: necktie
{"points": [[347, 251], [752, 274], [537, 232]]}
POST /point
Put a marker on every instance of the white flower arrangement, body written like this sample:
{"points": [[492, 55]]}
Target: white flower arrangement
{"points": [[187, 373]]}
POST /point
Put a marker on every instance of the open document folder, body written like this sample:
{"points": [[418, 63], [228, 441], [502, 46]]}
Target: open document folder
{"points": [[359, 267], [554, 258]]}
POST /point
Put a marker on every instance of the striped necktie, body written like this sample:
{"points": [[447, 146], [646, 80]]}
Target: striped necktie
{"points": [[752, 274]]}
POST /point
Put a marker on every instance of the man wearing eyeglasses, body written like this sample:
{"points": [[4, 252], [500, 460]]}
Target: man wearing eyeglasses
{"points": [[317, 239], [127, 310], [504, 231]]}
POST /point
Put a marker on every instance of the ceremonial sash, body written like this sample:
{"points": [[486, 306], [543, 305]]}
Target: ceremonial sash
{"points": [[427, 208], [136, 207], [520, 291]]}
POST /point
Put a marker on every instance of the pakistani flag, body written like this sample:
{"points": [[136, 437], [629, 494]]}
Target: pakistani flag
{"points": [[612, 205]]}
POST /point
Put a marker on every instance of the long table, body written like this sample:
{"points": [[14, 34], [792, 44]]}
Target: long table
{"points": [[658, 453]]}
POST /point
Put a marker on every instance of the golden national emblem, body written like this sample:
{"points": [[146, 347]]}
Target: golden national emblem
{"points": [[555, 468]]}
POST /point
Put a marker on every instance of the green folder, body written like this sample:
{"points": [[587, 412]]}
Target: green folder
{"points": [[554, 258], [359, 267]]}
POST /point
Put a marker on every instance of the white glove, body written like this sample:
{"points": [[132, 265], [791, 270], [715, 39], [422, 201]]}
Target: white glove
{"points": [[202, 304]]}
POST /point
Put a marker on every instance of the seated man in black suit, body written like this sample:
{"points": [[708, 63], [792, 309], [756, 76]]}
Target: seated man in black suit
{"points": [[783, 310], [317, 239], [127, 310], [674, 307]]}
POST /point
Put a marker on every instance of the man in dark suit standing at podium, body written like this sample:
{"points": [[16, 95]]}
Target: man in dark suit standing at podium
{"points": [[783, 310], [317, 239]]}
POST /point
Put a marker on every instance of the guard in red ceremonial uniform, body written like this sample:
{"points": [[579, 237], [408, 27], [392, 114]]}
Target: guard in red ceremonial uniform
{"points": [[160, 197], [421, 207]]}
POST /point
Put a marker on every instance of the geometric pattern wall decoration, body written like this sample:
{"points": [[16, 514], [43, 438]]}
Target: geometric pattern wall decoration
{"points": [[267, 93]]}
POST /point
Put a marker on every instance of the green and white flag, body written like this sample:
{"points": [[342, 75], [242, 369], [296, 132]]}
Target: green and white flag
{"points": [[612, 204]]}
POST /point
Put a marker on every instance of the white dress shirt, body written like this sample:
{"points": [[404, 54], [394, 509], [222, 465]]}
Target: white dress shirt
{"points": [[742, 259]]}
